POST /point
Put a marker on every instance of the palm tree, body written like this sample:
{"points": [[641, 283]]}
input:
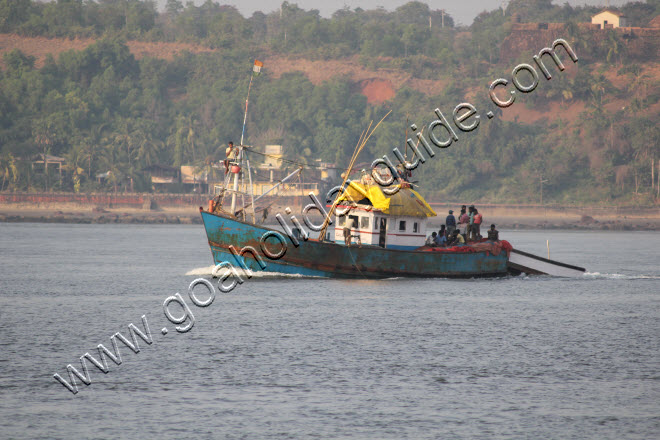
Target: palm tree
{"points": [[183, 139], [615, 48], [44, 138], [111, 161], [599, 85], [91, 143], [190, 137], [148, 149], [126, 139], [75, 155], [638, 86], [9, 170], [572, 30], [578, 38]]}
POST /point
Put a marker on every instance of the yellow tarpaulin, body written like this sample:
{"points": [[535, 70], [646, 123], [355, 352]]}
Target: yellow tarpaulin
{"points": [[406, 201]]}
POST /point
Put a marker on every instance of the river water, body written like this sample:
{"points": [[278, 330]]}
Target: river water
{"points": [[287, 357]]}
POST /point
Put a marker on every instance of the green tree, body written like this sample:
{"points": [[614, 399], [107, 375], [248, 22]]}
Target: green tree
{"points": [[9, 171]]}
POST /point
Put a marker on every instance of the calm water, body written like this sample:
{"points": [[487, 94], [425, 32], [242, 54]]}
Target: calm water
{"points": [[313, 358]]}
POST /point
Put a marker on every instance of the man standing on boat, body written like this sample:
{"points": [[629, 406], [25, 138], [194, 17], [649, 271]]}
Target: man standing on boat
{"points": [[476, 227], [450, 221], [463, 221], [470, 232]]}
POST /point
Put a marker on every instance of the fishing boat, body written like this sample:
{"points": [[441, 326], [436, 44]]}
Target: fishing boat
{"points": [[375, 231], [387, 237], [372, 235]]}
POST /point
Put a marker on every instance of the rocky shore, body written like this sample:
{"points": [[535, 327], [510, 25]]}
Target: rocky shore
{"points": [[100, 215], [61, 217]]}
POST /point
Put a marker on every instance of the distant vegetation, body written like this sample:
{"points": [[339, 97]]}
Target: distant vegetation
{"points": [[104, 110]]}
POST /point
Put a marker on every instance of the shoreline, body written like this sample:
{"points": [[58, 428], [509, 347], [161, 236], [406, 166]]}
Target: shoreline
{"points": [[77, 214]]}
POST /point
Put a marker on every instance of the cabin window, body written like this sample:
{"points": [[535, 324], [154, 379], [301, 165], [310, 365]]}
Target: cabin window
{"points": [[415, 227], [341, 221], [376, 222], [364, 222], [402, 225]]}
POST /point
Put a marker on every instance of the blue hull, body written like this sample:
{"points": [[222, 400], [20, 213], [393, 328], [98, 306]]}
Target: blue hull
{"points": [[323, 259]]}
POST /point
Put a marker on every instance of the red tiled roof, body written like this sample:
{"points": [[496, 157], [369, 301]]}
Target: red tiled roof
{"points": [[655, 23]]}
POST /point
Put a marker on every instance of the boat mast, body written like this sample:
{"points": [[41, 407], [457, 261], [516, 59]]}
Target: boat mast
{"points": [[240, 149], [247, 160], [246, 109], [364, 137], [233, 194]]}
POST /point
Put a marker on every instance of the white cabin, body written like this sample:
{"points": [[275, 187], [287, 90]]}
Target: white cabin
{"points": [[392, 222]]}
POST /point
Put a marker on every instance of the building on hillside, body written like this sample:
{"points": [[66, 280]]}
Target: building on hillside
{"points": [[274, 155], [43, 160], [328, 170], [163, 178], [640, 43], [608, 19], [275, 169], [194, 178], [271, 172]]}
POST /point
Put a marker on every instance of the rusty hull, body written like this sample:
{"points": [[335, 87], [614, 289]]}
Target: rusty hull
{"points": [[325, 259]]}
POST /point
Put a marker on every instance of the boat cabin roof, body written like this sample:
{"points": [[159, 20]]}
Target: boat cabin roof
{"points": [[405, 202]]}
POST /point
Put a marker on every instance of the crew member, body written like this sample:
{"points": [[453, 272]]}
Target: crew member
{"points": [[231, 155], [347, 235], [441, 239], [476, 226], [450, 221], [463, 221], [493, 234], [470, 223], [456, 239]]}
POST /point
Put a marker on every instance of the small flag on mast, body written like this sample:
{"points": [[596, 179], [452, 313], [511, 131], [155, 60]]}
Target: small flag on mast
{"points": [[256, 70]]}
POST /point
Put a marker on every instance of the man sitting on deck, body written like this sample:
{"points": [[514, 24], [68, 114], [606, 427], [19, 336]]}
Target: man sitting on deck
{"points": [[493, 234], [430, 240], [441, 238], [231, 155], [456, 239]]}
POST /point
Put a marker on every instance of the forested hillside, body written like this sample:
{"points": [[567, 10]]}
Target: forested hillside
{"points": [[126, 87]]}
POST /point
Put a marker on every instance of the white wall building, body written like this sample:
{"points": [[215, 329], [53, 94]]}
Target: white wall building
{"points": [[609, 19]]}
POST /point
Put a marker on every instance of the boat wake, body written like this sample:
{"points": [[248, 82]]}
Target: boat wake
{"points": [[619, 276], [200, 271], [208, 271]]}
